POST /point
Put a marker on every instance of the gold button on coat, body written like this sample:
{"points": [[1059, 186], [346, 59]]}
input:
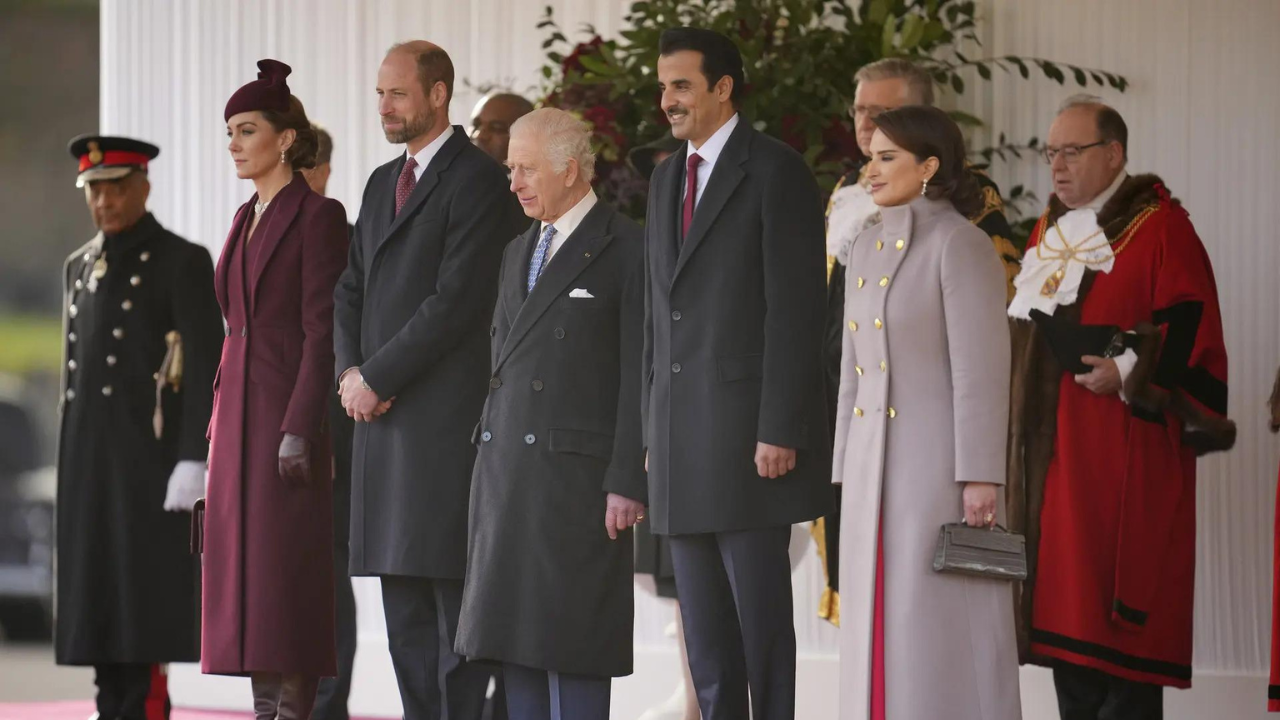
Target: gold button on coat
{"points": [[879, 245], [858, 369], [879, 325], [884, 281], [853, 326], [893, 413], [861, 282], [857, 411], [136, 280], [900, 244]]}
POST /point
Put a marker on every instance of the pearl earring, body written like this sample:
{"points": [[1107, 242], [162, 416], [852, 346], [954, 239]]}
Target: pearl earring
{"points": [[924, 187], [281, 157]]}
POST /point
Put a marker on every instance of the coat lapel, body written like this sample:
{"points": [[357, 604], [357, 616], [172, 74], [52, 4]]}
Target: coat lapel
{"points": [[430, 178], [287, 203], [513, 293], [668, 220], [233, 239], [720, 186], [579, 250]]}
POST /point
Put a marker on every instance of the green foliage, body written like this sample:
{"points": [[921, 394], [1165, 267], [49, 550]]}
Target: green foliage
{"points": [[30, 344], [800, 57]]}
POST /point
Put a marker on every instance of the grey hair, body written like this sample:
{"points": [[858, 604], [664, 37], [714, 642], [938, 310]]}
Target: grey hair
{"points": [[564, 137], [919, 81], [1080, 100]]}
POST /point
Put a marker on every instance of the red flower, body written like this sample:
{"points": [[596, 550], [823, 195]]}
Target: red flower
{"points": [[572, 63]]}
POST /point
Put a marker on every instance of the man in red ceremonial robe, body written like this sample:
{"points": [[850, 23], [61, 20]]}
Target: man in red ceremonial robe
{"points": [[1104, 439]]}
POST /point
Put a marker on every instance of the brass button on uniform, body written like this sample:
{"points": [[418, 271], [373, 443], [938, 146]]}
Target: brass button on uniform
{"points": [[127, 305], [858, 369], [145, 256], [884, 366], [106, 390], [853, 326], [486, 436], [495, 383], [79, 284], [118, 333], [136, 280], [879, 245], [861, 282], [72, 337], [675, 315], [879, 325], [893, 413], [857, 411], [675, 367], [71, 365], [71, 394], [111, 361], [900, 244], [530, 439], [73, 311], [884, 281], [537, 386], [559, 333]]}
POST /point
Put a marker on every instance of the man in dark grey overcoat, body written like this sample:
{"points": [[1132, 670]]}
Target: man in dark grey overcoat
{"points": [[559, 478]]}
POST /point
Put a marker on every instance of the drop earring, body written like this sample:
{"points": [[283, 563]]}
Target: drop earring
{"points": [[924, 187], [281, 157]]}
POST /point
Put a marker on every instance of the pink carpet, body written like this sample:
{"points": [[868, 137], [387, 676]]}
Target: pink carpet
{"points": [[82, 709]]}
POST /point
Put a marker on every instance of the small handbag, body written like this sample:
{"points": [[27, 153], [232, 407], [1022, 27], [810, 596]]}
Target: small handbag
{"points": [[990, 553]]}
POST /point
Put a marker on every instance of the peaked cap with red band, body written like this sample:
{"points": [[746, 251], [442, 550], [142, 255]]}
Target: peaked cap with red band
{"points": [[268, 92], [103, 157]]}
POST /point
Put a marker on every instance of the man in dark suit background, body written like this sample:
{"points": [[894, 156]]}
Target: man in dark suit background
{"points": [[560, 474], [412, 350], [736, 428], [333, 693]]}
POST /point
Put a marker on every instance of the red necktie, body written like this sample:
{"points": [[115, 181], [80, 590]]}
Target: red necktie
{"points": [[406, 183], [690, 194]]}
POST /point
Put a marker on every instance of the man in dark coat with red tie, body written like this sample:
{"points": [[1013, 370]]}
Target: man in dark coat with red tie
{"points": [[412, 346], [738, 446]]}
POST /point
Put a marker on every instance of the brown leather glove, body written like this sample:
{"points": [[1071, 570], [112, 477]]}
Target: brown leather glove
{"points": [[295, 459]]}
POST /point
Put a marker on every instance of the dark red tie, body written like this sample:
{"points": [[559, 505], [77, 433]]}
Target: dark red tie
{"points": [[406, 183], [690, 194]]}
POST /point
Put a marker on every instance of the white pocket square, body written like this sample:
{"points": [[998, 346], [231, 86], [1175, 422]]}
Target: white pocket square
{"points": [[580, 293]]}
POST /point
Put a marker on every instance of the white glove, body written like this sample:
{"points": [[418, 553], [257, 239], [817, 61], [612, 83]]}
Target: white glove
{"points": [[186, 486]]}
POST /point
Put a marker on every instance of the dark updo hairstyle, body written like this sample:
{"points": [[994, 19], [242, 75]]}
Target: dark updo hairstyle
{"points": [[306, 144], [929, 132]]}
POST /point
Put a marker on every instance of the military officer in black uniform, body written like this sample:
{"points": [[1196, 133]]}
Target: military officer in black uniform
{"points": [[143, 338]]}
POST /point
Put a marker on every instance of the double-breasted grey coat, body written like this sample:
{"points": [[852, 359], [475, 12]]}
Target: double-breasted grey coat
{"points": [[545, 586], [923, 409]]}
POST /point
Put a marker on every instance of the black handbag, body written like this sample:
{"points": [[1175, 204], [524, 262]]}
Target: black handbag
{"points": [[993, 553]]}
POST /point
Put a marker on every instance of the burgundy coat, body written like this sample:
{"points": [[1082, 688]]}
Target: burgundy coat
{"points": [[268, 551]]}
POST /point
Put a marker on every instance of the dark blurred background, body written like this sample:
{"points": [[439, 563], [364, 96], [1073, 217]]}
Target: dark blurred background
{"points": [[49, 85]]}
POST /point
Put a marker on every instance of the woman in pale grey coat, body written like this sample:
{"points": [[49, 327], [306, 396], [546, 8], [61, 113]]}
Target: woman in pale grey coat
{"points": [[920, 439]]}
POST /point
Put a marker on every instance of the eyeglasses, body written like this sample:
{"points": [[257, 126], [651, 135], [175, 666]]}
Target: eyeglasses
{"points": [[1070, 153]]}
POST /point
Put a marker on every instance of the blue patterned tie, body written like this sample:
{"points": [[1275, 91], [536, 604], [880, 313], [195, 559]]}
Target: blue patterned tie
{"points": [[538, 262]]}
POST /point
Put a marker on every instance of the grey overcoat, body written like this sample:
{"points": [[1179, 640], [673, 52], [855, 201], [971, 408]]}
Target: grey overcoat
{"points": [[923, 408]]}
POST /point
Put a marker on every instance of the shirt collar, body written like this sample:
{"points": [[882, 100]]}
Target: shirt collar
{"points": [[425, 155], [710, 150], [573, 218], [1097, 203]]}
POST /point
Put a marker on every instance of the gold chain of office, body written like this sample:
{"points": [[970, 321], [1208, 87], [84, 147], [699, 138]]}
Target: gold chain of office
{"points": [[1079, 254]]}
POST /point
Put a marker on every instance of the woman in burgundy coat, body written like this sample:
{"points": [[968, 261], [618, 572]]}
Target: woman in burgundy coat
{"points": [[268, 552]]}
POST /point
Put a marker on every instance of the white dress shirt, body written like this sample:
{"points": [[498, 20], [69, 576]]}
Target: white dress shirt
{"points": [[568, 222], [709, 152], [425, 155]]}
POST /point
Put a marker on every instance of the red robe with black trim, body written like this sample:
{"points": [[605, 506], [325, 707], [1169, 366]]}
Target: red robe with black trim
{"points": [[1116, 563]]}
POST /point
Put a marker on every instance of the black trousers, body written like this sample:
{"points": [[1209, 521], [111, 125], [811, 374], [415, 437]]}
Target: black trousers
{"points": [[534, 694], [735, 595], [331, 697], [422, 624], [131, 692], [1088, 694]]}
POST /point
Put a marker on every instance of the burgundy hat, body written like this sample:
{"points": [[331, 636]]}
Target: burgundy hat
{"points": [[268, 92]]}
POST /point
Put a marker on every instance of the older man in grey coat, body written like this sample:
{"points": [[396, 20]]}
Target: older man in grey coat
{"points": [[559, 478]]}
